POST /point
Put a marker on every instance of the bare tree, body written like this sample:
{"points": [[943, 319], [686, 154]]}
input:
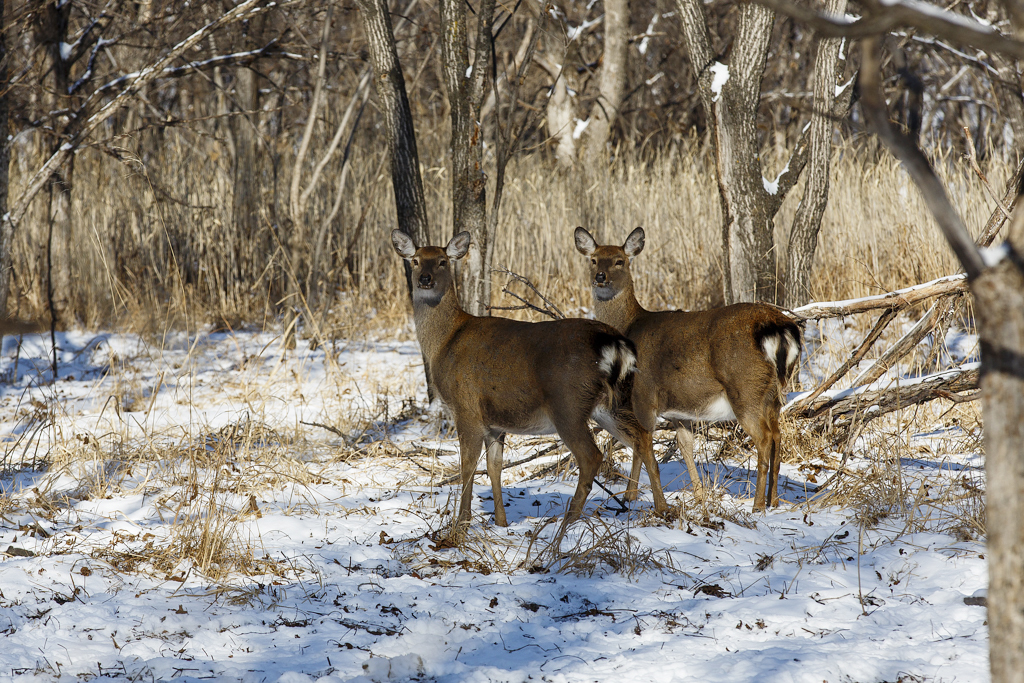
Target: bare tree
{"points": [[605, 110], [730, 94], [399, 132], [997, 284], [464, 85], [6, 230], [803, 236]]}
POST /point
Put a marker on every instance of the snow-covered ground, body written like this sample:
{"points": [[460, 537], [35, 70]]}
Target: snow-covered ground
{"points": [[213, 508]]}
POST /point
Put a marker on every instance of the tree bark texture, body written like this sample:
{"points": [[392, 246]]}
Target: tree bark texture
{"points": [[394, 104], [612, 85], [803, 237], [6, 229], [51, 34], [464, 85], [999, 307], [245, 133], [748, 253]]}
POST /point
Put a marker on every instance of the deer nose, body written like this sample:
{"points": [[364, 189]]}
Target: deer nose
{"points": [[425, 280], [600, 278]]}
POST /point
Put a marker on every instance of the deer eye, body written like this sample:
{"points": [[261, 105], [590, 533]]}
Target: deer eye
{"points": [[415, 263], [593, 261], [442, 264], [620, 263]]}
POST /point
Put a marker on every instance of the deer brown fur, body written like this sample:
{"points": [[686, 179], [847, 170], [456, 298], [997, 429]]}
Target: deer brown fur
{"points": [[720, 364], [500, 376]]}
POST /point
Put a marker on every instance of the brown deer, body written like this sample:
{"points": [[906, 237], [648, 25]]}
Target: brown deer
{"points": [[729, 363], [500, 376]]}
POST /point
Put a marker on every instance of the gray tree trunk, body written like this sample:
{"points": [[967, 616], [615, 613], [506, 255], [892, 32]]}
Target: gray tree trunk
{"points": [[612, 85], [51, 34], [748, 250], [999, 307], [398, 128], [464, 86], [245, 135], [6, 229], [803, 237]]}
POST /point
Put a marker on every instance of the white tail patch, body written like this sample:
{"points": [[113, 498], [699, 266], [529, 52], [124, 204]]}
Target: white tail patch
{"points": [[792, 351], [770, 344], [617, 354]]}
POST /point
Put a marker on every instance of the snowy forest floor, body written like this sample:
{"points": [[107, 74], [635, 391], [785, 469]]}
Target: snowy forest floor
{"points": [[208, 506]]}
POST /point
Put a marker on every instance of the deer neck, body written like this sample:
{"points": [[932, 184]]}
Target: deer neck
{"points": [[621, 311], [437, 319]]}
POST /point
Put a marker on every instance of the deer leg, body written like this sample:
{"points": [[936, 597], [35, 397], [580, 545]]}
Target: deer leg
{"points": [[775, 461], [495, 446], [588, 457], [470, 442], [626, 427], [684, 440]]}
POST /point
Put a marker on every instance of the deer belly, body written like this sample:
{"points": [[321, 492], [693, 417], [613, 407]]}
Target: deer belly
{"points": [[532, 425], [716, 410]]}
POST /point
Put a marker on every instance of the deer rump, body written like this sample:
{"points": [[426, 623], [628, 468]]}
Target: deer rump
{"points": [[691, 361]]}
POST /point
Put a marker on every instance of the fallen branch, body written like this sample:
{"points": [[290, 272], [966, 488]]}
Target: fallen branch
{"points": [[872, 404], [897, 300]]}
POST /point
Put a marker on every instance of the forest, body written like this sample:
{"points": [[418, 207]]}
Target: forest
{"points": [[215, 395]]}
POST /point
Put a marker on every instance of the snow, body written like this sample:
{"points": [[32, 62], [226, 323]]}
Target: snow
{"points": [[574, 32], [580, 127], [642, 47], [346, 580], [940, 13], [720, 77], [994, 255], [65, 51]]}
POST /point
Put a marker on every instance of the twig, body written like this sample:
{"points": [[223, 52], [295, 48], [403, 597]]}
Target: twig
{"points": [[898, 299], [333, 430], [550, 309], [972, 157], [479, 473]]}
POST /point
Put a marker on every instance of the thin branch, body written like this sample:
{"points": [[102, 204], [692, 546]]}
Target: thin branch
{"points": [[243, 10], [882, 18], [802, 406], [550, 309], [915, 162]]}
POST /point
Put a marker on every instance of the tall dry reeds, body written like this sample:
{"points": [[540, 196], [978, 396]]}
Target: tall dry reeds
{"points": [[156, 244]]}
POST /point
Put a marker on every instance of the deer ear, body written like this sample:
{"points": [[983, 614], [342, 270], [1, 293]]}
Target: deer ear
{"points": [[585, 243], [403, 244], [634, 243], [458, 245]]}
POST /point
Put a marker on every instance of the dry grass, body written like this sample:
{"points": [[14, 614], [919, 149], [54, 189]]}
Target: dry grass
{"points": [[149, 265]]}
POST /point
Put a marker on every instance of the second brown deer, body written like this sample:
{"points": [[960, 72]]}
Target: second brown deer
{"points": [[500, 376], [729, 363]]}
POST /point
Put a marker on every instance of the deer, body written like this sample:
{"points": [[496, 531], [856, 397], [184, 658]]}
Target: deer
{"points": [[729, 363], [500, 376]]}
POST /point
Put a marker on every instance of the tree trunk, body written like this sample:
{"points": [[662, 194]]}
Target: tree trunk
{"points": [[6, 229], [560, 111], [613, 80], [245, 169], [747, 205], [398, 128], [803, 237], [51, 35], [464, 86], [999, 307]]}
